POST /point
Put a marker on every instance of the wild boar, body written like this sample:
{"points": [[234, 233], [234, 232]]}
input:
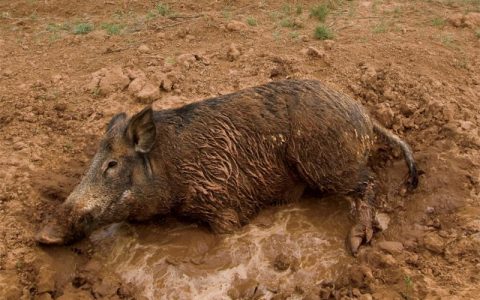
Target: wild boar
{"points": [[220, 160]]}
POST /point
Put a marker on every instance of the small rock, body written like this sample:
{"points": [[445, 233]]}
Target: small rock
{"points": [[434, 222], [304, 38], [278, 71], [410, 243], [382, 220], [148, 93], [114, 80], [391, 247], [236, 26], [143, 49], [135, 73], [329, 44], [57, 78], [182, 32], [360, 275], [434, 243], [389, 94], [233, 53], [101, 35], [136, 86], [167, 85], [314, 52], [473, 225], [387, 261], [413, 259], [378, 259], [186, 59], [385, 115], [429, 210], [407, 109], [106, 81], [466, 125]]}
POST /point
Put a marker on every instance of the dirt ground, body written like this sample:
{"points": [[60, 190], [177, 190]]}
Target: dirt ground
{"points": [[67, 66]]}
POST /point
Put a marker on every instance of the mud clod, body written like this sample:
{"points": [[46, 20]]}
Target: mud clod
{"points": [[236, 26], [107, 81], [143, 49], [233, 53], [186, 60], [148, 93], [391, 247], [381, 221], [314, 52], [434, 243]]}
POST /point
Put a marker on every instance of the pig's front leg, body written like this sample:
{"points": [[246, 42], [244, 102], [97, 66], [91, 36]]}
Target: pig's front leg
{"points": [[224, 221]]}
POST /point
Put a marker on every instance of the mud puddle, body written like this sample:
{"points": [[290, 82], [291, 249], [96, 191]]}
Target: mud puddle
{"points": [[285, 248]]}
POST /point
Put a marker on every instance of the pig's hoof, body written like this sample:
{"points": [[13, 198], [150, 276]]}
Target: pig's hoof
{"points": [[359, 234], [49, 236]]}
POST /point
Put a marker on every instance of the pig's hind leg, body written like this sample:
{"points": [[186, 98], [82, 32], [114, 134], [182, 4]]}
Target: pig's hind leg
{"points": [[364, 212]]}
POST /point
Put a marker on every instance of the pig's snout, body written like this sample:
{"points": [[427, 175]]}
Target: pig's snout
{"points": [[51, 234], [66, 226]]}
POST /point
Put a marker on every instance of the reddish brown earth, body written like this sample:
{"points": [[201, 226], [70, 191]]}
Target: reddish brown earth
{"points": [[414, 64]]}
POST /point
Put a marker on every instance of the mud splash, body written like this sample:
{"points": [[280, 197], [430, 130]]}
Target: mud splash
{"points": [[287, 248]]}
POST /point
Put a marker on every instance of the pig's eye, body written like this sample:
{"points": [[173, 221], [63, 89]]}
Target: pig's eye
{"points": [[109, 168], [111, 164]]}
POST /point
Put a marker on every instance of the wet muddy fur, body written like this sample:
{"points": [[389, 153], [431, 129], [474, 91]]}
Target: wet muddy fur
{"points": [[222, 159], [264, 145]]}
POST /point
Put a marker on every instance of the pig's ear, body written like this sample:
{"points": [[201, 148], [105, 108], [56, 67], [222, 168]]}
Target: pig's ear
{"points": [[116, 119], [141, 130]]}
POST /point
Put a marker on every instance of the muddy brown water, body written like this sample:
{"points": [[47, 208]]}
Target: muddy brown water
{"points": [[288, 247]]}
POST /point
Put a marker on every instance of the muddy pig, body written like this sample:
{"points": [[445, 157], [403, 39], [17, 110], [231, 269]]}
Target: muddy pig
{"points": [[220, 160]]}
